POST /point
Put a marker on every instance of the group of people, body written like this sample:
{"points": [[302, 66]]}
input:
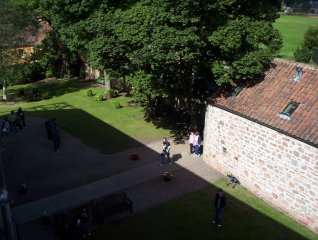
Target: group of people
{"points": [[52, 131], [13, 123], [195, 143]]}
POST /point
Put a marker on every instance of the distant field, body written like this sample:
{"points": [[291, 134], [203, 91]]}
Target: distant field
{"points": [[293, 29]]}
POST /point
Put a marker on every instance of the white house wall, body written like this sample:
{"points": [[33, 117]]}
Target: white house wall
{"points": [[279, 169]]}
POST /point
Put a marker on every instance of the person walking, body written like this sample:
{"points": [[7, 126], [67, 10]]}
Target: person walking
{"points": [[196, 143], [21, 115], [219, 204], [191, 139], [165, 155]]}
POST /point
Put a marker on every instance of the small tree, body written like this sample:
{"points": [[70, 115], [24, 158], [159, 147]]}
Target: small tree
{"points": [[303, 54], [311, 37]]}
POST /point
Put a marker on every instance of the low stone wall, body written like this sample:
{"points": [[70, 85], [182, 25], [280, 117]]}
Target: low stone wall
{"points": [[279, 169]]}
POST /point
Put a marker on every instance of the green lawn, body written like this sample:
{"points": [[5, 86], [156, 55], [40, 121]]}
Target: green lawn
{"points": [[97, 124], [292, 29], [189, 217]]}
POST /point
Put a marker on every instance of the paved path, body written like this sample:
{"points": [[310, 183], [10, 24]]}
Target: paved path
{"points": [[33, 210]]}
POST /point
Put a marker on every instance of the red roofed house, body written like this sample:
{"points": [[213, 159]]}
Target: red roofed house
{"points": [[267, 136]]}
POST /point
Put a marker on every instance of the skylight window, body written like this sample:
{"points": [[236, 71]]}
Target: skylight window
{"points": [[291, 107], [236, 91]]}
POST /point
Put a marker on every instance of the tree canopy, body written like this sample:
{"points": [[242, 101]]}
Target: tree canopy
{"points": [[16, 23], [177, 49]]}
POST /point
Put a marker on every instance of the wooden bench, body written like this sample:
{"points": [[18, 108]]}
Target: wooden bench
{"points": [[110, 205], [97, 211]]}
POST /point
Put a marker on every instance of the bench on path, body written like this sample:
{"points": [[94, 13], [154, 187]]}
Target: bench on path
{"points": [[110, 205], [95, 211]]}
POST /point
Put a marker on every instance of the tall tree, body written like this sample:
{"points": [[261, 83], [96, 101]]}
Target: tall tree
{"points": [[179, 50], [16, 22]]}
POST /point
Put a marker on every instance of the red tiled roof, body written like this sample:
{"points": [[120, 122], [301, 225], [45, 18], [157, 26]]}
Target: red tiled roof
{"points": [[264, 101], [33, 37]]}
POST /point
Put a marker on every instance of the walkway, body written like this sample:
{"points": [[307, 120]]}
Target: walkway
{"points": [[124, 180]]}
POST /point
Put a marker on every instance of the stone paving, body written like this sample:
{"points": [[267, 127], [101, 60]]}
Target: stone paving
{"points": [[141, 180]]}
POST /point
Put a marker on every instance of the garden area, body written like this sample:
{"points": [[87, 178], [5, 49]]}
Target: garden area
{"points": [[90, 117]]}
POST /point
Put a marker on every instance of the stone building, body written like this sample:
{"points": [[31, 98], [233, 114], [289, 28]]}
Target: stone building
{"points": [[266, 135]]}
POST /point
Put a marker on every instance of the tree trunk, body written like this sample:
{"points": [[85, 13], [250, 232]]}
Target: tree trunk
{"points": [[107, 84], [4, 91]]}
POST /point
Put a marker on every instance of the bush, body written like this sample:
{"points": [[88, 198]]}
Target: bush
{"points": [[25, 73], [303, 54], [100, 97], [89, 93], [100, 80], [116, 104], [113, 93], [46, 95]]}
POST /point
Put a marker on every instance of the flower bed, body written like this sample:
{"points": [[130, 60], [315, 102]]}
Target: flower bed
{"points": [[167, 176], [134, 156]]}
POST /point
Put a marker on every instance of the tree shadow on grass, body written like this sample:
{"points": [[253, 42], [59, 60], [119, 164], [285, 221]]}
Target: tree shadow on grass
{"points": [[39, 90], [190, 215], [92, 131]]}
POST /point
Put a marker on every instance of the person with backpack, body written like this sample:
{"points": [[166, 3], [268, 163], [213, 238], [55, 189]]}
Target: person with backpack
{"points": [[165, 155]]}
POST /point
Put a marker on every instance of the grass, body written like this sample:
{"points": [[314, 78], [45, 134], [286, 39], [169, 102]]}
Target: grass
{"points": [[189, 217], [97, 123], [292, 29]]}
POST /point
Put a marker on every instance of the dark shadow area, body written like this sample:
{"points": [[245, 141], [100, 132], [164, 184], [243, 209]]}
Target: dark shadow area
{"points": [[29, 159], [176, 157], [174, 213], [30, 156]]}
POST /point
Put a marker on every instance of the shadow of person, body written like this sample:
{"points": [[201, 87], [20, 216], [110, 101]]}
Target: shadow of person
{"points": [[176, 157]]}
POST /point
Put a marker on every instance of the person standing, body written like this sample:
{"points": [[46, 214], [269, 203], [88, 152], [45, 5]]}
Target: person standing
{"points": [[6, 126], [196, 143], [219, 204], [165, 155], [191, 139], [56, 137], [21, 115], [13, 121]]}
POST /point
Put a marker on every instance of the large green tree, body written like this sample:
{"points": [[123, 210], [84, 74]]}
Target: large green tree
{"points": [[16, 23], [177, 50]]}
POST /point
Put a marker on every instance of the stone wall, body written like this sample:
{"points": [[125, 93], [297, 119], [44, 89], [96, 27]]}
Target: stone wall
{"points": [[279, 169]]}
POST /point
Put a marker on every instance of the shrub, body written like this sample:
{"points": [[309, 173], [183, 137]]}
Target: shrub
{"points": [[89, 93], [116, 104], [99, 97], [303, 54], [113, 93], [46, 95], [100, 80], [25, 73]]}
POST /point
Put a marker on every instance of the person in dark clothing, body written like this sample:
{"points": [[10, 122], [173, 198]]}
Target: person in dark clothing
{"points": [[219, 204], [56, 137], [48, 127], [21, 115], [165, 155]]}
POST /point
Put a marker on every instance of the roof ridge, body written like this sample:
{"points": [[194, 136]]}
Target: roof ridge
{"points": [[282, 60]]}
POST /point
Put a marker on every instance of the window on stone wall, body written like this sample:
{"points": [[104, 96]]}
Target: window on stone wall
{"points": [[291, 107]]}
